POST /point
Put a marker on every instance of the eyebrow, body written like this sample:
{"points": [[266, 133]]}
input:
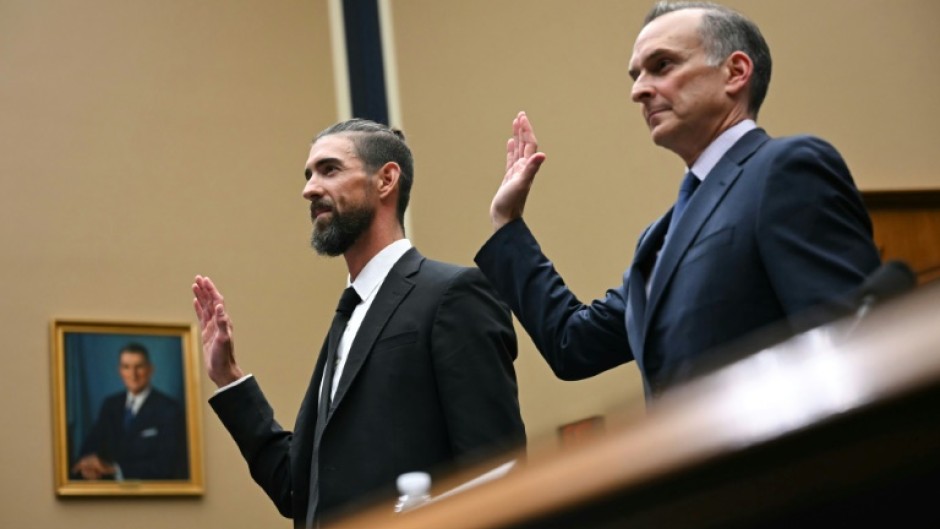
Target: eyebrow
{"points": [[657, 53], [324, 161]]}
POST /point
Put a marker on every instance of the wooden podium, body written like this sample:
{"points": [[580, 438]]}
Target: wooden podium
{"points": [[839, 426]]}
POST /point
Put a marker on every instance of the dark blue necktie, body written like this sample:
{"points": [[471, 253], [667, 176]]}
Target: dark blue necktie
{"points": [[128, 417], [689, 184]]}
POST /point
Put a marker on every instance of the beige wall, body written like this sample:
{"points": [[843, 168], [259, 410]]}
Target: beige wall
{"points": [[144, 142]]}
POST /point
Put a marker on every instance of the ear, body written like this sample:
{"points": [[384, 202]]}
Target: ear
{"points": [[738, 68], [386, 181]]}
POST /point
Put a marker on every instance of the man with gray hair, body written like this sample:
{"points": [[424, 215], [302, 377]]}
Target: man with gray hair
{"points": [[766, 232], [417, 370]]}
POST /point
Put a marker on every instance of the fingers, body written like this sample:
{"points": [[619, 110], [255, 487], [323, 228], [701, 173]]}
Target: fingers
{"points": [[216, 325], [522, 163], [90, 473], [202, 297], [522, 157], [207, 297], [199, 312], [517, 135], [530, 143], [89, 467], [523, 142], [510, 154], [206, 291], [223, 323]]}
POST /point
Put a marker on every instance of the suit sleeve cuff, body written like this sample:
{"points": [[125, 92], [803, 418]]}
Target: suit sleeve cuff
{"points": [[232, 384], [509, 234]]}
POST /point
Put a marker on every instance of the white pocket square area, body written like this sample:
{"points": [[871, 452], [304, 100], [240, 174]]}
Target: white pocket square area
{"points": [[149, 432]]}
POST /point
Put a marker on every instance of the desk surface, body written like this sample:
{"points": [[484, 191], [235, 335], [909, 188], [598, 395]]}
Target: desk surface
{"points": [[837, 425]]}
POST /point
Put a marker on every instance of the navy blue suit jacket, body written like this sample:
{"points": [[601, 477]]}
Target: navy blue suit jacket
{"points": [[775, 235], [153, 447], [428, 381]]}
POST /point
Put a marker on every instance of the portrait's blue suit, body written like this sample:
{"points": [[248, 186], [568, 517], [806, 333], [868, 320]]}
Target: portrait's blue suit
{"points": [[776, 235], [153, 446]]}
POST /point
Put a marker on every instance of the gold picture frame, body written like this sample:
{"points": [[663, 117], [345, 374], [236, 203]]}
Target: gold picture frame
{"points": [[106, 444]]}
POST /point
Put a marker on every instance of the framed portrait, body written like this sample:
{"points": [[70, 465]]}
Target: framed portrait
{"points": [[125, 409]]}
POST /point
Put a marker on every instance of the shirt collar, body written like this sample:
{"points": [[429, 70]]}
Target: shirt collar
{"points": [[136, 401], [713, 153], [378, 267]]}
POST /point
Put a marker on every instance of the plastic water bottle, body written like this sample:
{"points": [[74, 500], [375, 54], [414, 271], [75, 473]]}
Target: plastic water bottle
{"points": [[413, 489]]}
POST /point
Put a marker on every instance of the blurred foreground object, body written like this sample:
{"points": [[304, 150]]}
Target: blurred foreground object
{"points": [[891, 280], [829, 427], [414, 489]]}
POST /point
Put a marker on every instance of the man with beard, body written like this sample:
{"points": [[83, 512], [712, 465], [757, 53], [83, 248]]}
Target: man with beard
{"points": [[421, 375]]}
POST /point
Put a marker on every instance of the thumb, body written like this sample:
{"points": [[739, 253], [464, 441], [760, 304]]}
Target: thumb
{"points": [[532, 165]]}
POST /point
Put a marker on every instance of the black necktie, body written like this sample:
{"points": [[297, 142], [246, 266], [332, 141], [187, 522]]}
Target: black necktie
{"points": [[347, 302], [689, 185]]}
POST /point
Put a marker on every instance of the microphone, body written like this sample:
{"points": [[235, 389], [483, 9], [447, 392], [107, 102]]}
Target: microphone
{"points": [[892, 279]]}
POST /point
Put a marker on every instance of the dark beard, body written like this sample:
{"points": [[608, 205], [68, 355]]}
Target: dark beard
{"points": [[342, 231]]}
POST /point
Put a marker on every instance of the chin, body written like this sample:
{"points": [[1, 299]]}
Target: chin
{"points": [[660, 139]]}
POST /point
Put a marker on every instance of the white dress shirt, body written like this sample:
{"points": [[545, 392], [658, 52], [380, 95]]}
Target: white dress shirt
{"points": [[367, 286], [716, 149], [134, 402]]}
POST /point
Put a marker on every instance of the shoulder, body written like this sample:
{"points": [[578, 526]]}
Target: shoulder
{"points": [[431, 271], [450, 274], [441, 280], [443, 268], [161, 399], [450, 283], [801, 155], [115, 399], [797, 146]]}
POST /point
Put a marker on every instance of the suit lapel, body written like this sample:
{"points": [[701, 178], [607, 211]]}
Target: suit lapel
{"points": [[700, 208], [305, 425], [144, 414], [635, 285], [393, 291]]}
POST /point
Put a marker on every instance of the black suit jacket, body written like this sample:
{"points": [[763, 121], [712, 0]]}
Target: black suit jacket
{"points": [[154, 447], [428, 381], [775, 236]]}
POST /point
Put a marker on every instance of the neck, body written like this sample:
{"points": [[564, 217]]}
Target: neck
{"points": [[370, 243], [737, 115]]}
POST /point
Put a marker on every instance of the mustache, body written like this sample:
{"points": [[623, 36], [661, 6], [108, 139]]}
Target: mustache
{"points": [[318, 206]]}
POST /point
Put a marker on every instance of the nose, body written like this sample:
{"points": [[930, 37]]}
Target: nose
{"points": [[312, 189], [641, 90]]}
